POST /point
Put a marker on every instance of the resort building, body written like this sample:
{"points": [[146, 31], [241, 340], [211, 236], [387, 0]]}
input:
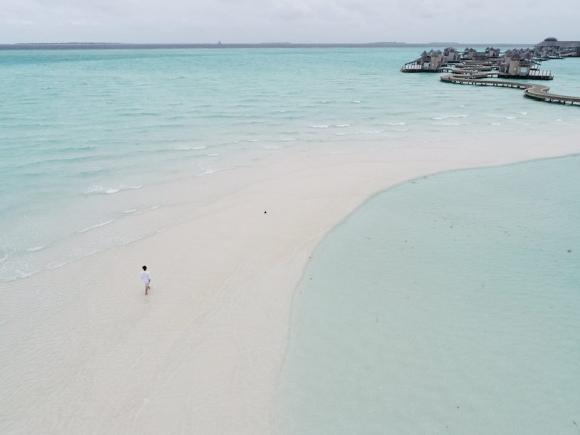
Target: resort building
{"points": [[451, 55], [492, 52], [430, 61], [473, 55], [514, 63], [552, 47], [520, 63]]}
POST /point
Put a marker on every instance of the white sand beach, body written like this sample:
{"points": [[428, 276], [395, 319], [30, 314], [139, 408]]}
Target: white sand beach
{"points": [[87, 352]]}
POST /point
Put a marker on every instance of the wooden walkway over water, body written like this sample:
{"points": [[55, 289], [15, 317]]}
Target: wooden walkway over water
{"points": [[531, 90]]}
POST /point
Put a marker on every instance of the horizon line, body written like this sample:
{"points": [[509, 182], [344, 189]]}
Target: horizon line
{"points": [[220, 44]]}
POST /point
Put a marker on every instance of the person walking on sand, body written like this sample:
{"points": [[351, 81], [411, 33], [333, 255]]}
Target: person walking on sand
{"points": [[146, 278]]}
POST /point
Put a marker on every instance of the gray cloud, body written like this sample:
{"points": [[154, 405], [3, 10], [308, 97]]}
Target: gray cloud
{"points": [[286, 20]]}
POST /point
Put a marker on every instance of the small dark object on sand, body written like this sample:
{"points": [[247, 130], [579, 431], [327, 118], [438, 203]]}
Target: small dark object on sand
{"points": [[265, 212]]}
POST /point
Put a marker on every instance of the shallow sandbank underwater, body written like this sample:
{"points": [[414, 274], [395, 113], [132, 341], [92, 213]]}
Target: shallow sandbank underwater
{"points": [[448, 304]]}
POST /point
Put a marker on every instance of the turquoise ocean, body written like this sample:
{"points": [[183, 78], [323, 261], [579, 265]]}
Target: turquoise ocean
{"points": [[446, 305], [87, 137]]}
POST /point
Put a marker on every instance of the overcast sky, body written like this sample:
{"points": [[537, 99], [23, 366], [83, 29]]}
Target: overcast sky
{"points": [[520, 21]]}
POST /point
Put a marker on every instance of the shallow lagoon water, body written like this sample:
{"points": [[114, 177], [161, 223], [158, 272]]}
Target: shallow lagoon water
{"points": [[87, 135], [448, 304]]}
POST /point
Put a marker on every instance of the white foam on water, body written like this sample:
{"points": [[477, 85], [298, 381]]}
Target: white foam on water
{"points": [[342, 125], [20, 274], [56, 265], [95, 226], [137, 238], [35, 248], [100, 190], [394, 124], [452, 116], [320, 126], [129, 211], [94, 189], [189, 148]]}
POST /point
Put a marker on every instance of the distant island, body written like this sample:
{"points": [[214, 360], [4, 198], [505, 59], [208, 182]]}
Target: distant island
{"points": [[218, 45]]}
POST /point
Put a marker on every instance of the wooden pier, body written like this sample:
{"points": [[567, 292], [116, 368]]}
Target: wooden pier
{"points": [[542, 93], [485, 68], [532, 75], [534, 91]]}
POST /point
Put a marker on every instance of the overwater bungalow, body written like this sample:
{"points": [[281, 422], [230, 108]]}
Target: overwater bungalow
{"points": [[471, 54], [519, 63], [431, 61], [492, 52], [481, 68], [451, 55]]}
